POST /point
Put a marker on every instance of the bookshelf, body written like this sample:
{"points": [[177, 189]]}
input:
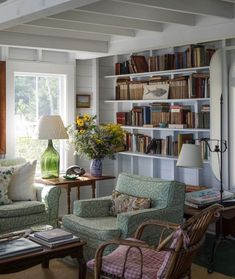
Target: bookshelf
{"points": [[156, 165]]}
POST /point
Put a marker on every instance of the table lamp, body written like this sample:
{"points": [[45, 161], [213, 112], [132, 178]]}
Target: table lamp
{"points": [[50, 127], [190, 156]]}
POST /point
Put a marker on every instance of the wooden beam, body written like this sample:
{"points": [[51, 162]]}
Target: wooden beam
{"points": [[107, 20], [143, 13], [84, 27], [41, 31], [20, 11], [49, 42], [199, 7]]}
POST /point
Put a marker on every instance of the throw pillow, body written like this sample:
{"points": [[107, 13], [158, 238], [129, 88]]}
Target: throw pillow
{"points": [[123, 203], [21, 187], [5, 178]]}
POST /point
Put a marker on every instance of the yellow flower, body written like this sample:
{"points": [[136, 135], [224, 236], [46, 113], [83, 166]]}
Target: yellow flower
{"points": [[80, 122], [86, 117], [81, 132]]}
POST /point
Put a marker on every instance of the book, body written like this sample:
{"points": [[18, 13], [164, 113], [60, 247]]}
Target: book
{"points": [[54, 235], [177, 126], [54, 243], [17, 247], [207, 196]]}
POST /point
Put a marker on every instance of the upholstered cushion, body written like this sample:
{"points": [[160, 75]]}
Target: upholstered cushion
{"points": [[21, 208], [102, 228], [5, 178], [21, 187], [114, 262], [124, 203]]}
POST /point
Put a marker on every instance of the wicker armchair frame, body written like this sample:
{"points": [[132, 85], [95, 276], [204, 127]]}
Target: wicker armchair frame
{"points": [[182, 255]]}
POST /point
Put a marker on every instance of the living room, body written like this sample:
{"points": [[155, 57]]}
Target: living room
{"points": [[70, 58]]}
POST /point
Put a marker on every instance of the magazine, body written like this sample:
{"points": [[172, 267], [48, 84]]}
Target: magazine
{"points": [[207, 196]]}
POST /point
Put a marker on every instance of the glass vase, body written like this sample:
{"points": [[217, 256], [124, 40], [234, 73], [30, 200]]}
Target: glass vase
{"points": [[96, 167], [50, 162]]}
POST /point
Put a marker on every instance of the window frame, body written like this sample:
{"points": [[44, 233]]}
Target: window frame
{"points": [[27, 67]]}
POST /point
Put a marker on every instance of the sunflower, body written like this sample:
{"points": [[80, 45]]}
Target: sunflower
{"points": [[80, 122]]}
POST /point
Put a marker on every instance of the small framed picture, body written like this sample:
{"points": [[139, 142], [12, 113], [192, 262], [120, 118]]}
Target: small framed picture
{"points": [[83, 100]]}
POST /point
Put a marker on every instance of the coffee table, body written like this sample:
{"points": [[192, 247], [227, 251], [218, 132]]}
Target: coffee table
{"points": [[24, 261]]}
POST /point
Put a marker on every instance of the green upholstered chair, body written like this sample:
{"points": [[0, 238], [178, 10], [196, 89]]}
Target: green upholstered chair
{"points": [[91, 219], [24, 214]]}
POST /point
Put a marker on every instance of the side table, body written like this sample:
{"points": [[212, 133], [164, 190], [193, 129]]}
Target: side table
{"points": [[81, 181]]}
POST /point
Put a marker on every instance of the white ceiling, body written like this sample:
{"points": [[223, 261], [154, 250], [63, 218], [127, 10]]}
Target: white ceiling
{"points": [[94, 28]]}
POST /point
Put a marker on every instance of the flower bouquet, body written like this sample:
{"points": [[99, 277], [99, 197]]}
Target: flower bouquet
{"points": [[95, 141]]}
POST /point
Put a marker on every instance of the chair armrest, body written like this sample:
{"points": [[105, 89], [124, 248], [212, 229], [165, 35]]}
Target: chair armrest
{"points": [[50, 196], [128, 222], [98, 207]]}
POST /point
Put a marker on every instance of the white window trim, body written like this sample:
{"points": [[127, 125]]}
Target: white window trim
{"points": [[13, 67]]}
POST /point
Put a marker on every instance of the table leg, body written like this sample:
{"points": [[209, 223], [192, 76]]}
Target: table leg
{"points": [[81, 268], [68, 198], [93, 187], [78, 193], [45, 264]]}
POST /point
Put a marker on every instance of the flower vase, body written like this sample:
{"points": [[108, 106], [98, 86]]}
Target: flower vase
{"points": [[96, 167]]}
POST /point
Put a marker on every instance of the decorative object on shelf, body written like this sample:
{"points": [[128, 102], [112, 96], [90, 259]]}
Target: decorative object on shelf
{"points": [[95, 141], [75, 170], [83, 101], [155, 91], [50, 127]]}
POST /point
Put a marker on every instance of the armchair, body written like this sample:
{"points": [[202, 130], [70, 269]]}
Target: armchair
{"points": [[171, 259], [91, 219]]}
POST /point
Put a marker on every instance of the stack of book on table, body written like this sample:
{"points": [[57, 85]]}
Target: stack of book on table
{"points": [[53, 238], [203, 198]]}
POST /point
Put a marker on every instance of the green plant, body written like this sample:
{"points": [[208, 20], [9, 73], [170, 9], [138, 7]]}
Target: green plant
{"points": [[95, 141]]}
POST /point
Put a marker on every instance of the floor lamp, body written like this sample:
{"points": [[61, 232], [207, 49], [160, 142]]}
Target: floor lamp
{"points": [[190, 157]]}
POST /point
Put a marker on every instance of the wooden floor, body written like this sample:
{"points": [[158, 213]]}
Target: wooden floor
{"points": [[59, 270]]}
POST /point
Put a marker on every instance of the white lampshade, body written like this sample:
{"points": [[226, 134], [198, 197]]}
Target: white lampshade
{"points": [[190, 156], [50, 127]]}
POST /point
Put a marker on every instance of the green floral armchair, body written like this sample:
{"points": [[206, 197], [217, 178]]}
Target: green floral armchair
{"points": [[91, 219]]}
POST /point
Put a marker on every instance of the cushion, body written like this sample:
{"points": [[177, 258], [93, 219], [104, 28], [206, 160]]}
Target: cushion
{"points": [[5, 178], [123, 203], [21, 187], [114, 262], [21, 208]]}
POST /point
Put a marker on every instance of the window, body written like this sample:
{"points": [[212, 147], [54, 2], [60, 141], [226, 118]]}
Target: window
{"points": [[36, 95]]}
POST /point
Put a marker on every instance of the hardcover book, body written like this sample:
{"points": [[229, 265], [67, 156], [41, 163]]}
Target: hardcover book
{"points": [[54, 243], [17, 247], [207, 196], [54, 235]]}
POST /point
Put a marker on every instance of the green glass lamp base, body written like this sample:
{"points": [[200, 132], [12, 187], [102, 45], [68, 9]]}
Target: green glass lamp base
{"points": [[50, 162]]}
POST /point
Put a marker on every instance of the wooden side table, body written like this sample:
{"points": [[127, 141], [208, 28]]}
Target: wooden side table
{"points": [[67, 184]]}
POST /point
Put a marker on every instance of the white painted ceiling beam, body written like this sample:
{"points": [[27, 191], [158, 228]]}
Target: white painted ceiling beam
{"points": [[200, 7], [84, 27], [52, 43], [93, 18], [143, 13], [17, 12], [37, 30]]}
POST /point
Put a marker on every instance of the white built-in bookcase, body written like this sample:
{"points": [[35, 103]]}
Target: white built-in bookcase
{"points": [[146, 164]]}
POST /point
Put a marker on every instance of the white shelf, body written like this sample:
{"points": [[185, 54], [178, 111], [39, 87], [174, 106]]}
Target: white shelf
{"points": [[166, 129], [163, 73], [159, 101], [154, 156]]}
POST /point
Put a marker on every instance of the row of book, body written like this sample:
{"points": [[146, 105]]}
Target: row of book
{"points": [[182, 57], [165, 116], [196, 85], [163, 146]]}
